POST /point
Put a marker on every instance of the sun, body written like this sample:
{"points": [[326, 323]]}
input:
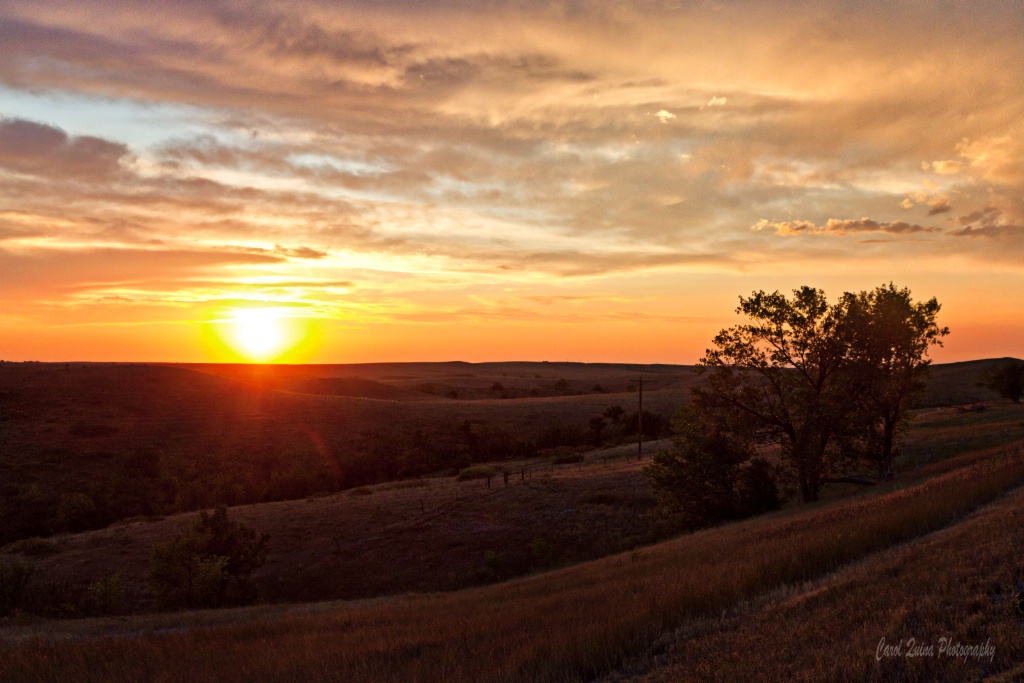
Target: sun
{"points": [[260, 335]]}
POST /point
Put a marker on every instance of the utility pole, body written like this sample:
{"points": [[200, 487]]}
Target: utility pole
{"points": [[640, 425]]}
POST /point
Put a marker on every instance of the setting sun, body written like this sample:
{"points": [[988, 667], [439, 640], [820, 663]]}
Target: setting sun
{"points": [[260, 335]]}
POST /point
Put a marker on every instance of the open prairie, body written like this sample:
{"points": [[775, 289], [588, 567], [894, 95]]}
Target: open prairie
{"points": [[563, 517], [634, 613], [85, 445], [133, 440]]}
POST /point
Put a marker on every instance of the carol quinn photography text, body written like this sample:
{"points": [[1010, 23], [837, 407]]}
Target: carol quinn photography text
{"points": [[945, 647]]}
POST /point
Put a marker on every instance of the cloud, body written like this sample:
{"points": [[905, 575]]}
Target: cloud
{"points": [[947, 167], [787, 228], [998, 231], [64, 271], [300, 252], [40, 149], [840, 227], [991, 223], [937, 203], [988, 216], [440, 143]]}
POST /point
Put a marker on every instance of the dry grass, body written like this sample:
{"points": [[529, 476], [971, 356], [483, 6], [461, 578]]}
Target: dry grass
{"points": [[940, 433], [415, 535], [570, 624], [959, 583]]}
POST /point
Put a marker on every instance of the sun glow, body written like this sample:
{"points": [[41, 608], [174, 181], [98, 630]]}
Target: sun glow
{"points": [[261, 335]]}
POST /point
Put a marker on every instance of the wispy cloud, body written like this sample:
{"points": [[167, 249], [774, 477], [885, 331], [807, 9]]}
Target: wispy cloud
{"points": [[840, 227]]}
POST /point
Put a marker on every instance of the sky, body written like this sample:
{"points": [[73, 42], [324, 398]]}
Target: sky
{"points": [[425, 181]]}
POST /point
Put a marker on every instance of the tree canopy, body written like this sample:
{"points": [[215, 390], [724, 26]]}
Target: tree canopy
{"points": [[829, 384], [889, 338]]}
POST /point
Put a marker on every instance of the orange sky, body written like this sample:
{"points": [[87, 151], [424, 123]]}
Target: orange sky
{"points": [[494, 181]]}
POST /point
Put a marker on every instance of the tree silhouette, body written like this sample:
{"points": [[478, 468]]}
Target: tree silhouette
{"points": [[826, 383], [890, 336], [1007, 380]]}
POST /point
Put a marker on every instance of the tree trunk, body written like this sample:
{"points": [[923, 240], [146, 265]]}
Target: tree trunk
{"points": [[888, 437], [809, 485]]}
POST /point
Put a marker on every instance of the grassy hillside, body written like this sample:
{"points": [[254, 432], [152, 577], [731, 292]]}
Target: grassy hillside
{"points": [[437, 533], [594, 618], [953, 384], [87, 444], [416, 535], [649, 612], [468, 381], [956, 587], [84, 445]]}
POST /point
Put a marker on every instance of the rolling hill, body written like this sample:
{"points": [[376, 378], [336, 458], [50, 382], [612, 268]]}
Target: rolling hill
{"points": [[85, 444]]}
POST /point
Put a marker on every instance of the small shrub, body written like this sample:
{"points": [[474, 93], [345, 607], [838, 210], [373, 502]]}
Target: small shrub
{"points": [[491, 569], [1007, 380], [407, 484], [543, 552], [14, 577], [209, 564], [361, 491], [75, 511], [476, 472], [696, 479], [107, 594], [614, 413], [33, 547], [602, 498], [63, 598], [567, 459]]}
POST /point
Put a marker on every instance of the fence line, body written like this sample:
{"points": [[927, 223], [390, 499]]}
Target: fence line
{"points": [[484, 483]]}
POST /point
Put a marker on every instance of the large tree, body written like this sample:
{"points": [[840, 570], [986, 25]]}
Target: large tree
{"points": [[783, 371], [889, 336], [810, 376]]}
